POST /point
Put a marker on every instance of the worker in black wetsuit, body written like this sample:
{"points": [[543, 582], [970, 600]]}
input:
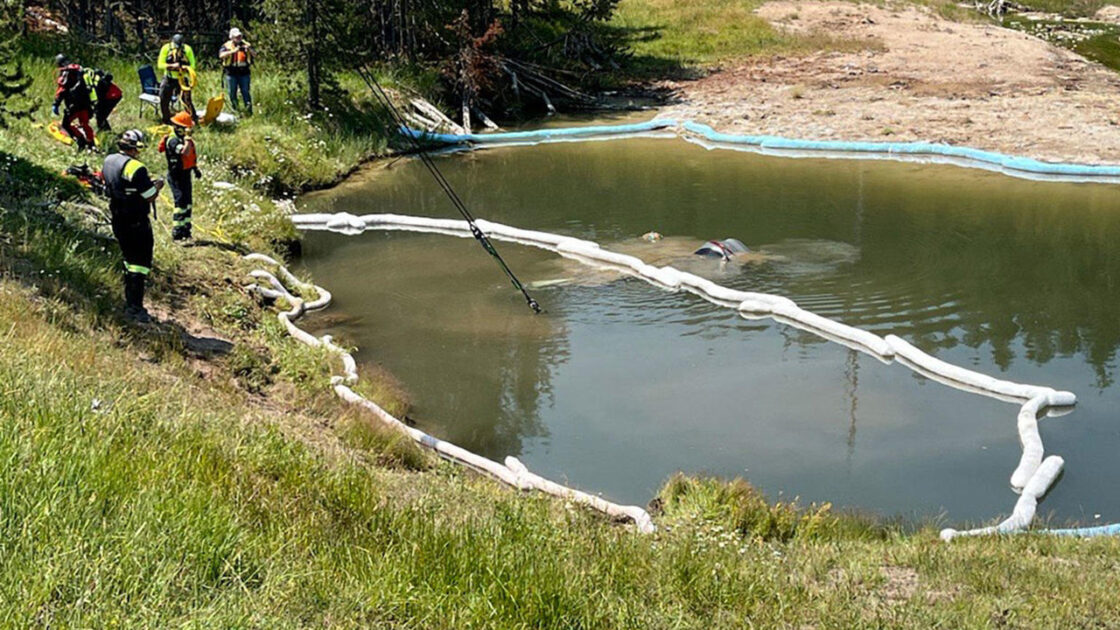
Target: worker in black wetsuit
{"points": [[131, 193]]}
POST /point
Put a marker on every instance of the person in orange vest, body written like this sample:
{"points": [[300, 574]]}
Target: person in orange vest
{"points": [[182, 162], [237, 57], [79, 99]]}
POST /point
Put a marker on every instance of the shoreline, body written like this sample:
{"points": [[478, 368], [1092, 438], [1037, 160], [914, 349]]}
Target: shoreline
{"points": [[922, 78]]}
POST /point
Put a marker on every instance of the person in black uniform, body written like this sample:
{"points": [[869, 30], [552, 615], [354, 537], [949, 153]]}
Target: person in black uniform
{"points": [[182, 162], [131, 193]]}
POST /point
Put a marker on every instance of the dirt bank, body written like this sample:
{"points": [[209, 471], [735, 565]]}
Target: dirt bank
{"points": [[922, 78]]}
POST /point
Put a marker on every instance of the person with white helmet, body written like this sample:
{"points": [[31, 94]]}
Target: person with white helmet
{"points": [[237, 57], [131, 193]]}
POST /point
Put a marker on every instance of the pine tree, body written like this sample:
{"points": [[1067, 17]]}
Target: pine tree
{"points": [[318, 35], [14, 82]]}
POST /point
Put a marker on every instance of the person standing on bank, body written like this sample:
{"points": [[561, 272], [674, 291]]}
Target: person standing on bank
{"points": [[182, 162], [237, 56], [131, 193], [174, 58]]}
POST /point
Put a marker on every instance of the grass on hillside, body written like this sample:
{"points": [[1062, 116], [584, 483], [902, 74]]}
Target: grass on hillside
{"points": [[685, 33], [678, 36], [1068, 8], [281, 151], [64, 232], [147, 496], [143, 485]]}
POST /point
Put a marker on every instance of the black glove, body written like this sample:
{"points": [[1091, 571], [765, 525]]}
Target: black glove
{"points": [[197, 173]]}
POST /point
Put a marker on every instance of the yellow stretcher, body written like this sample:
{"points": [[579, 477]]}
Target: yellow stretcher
{"points": [[54, 128]]}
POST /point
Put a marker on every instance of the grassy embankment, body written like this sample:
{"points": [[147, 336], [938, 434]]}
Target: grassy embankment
{"points": [[692, 35], [148, 482]]}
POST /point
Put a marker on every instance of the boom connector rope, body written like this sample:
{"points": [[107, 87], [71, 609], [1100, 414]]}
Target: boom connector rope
{"points": [[398, 120]]}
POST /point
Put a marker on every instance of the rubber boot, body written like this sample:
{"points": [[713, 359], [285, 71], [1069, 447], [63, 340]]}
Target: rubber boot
{"points": [[182, 224], [134, 298]]}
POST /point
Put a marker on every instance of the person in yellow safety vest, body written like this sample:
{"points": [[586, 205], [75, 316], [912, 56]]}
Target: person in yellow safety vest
{"points": [[131, 193], [173, 57], [237, 57], [104, 95]]}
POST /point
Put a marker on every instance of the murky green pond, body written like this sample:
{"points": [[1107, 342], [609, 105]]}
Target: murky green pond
{"points": [[620, 384]]}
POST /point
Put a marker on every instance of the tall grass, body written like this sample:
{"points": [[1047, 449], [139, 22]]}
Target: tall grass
{"points": [[135, 495], [143, 486]]}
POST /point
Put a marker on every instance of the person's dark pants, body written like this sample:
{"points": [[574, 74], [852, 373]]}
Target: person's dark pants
{"points": [[182, 189], [170, 87], [76, 123], [108, 95], [135, 238], [240, 82]]}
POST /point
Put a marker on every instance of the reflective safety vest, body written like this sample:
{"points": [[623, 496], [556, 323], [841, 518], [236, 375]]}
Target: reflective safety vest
{"points": [[239, 59], [92, 77], [128, 183], [175, 54], [181, 153]]}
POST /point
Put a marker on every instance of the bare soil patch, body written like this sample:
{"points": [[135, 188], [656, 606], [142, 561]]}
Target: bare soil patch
{"points": [[921, 78]]}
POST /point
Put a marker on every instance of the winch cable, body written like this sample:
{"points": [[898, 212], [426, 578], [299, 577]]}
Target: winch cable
{"points": [[398, 120]]}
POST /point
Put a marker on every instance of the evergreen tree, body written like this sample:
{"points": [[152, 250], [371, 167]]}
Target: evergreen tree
{"points": [[316, 35], [14, 82]]}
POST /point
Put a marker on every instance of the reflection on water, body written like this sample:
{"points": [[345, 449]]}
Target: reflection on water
{"points": [[619, 384]]}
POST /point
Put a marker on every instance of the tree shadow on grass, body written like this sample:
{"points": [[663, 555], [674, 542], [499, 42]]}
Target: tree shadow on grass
{"points": [[645, 67], [48, 249]]}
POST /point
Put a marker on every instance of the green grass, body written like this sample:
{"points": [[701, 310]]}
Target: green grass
{"points": [[1068, 8], [686, 33], [172, 501], [144, 486], [281, 151], [698, 32]]}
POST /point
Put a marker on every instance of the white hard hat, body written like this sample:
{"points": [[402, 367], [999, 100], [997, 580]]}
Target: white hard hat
{"points": [[234, 32]]}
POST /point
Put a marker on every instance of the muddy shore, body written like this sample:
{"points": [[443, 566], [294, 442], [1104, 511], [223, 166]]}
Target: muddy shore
{"points": [[921, 77]]}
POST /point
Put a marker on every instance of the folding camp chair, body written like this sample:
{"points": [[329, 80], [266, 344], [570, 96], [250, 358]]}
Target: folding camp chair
{"points": [[149, 89]]}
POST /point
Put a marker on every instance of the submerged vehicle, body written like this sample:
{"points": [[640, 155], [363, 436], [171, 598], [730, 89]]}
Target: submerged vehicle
{"points": [[724, 249]]}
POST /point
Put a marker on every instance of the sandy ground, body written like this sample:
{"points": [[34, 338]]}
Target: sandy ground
{"points": [[923, 78]]}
